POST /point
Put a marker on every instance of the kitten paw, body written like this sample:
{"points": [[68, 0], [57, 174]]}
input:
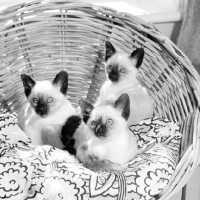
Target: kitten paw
{"points": [[96, 164]]}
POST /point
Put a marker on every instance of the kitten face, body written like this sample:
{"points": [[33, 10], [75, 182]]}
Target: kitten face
{"points": [[41, 103], [104, 121], [46, 97], [107, 119], [120, 66]]}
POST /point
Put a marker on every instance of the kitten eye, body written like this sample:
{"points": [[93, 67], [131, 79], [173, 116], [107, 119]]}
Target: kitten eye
{"points": [[35, 100], [110, 67], [109, 121], [122, 70], [93, 123], [49, 99]]}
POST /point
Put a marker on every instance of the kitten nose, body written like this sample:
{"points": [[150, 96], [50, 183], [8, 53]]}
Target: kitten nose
{"points": [[113, 77], [41, 110], [100, 130]]}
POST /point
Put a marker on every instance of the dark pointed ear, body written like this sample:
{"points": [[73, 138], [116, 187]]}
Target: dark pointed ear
{"points": [[137, 56], [110, 50], [61, 80], [123, 104], [86, 109], [28, 84]]}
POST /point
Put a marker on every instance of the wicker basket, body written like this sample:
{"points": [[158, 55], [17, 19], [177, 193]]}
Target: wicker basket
{"points": [[40, 38]]}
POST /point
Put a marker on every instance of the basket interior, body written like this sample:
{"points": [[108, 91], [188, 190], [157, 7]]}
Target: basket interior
{"points": [[40, 38]]}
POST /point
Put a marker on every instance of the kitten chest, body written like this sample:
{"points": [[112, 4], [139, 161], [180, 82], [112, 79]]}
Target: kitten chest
{"points": [[119, 149]]}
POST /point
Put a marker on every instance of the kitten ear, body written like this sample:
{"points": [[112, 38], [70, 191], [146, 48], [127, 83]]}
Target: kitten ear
{"points": [[137, 56], [28, 84], [123, 104], [61, 80], [86, 109], [110, 50]]}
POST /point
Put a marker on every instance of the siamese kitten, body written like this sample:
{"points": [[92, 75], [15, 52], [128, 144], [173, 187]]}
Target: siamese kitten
{"points": [[110, 142], [47, 109], [121, 72]]}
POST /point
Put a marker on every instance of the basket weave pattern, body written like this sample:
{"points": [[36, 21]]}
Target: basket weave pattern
{"points": [[40, 38]]}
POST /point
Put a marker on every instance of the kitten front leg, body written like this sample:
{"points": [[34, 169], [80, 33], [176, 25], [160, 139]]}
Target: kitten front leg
{"points": [[51, 136], [24, 115], [100, 165], [93, 163]]}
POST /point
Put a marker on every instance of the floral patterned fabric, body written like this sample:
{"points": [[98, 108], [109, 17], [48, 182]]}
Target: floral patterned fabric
{"points": [[44, 172]]}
